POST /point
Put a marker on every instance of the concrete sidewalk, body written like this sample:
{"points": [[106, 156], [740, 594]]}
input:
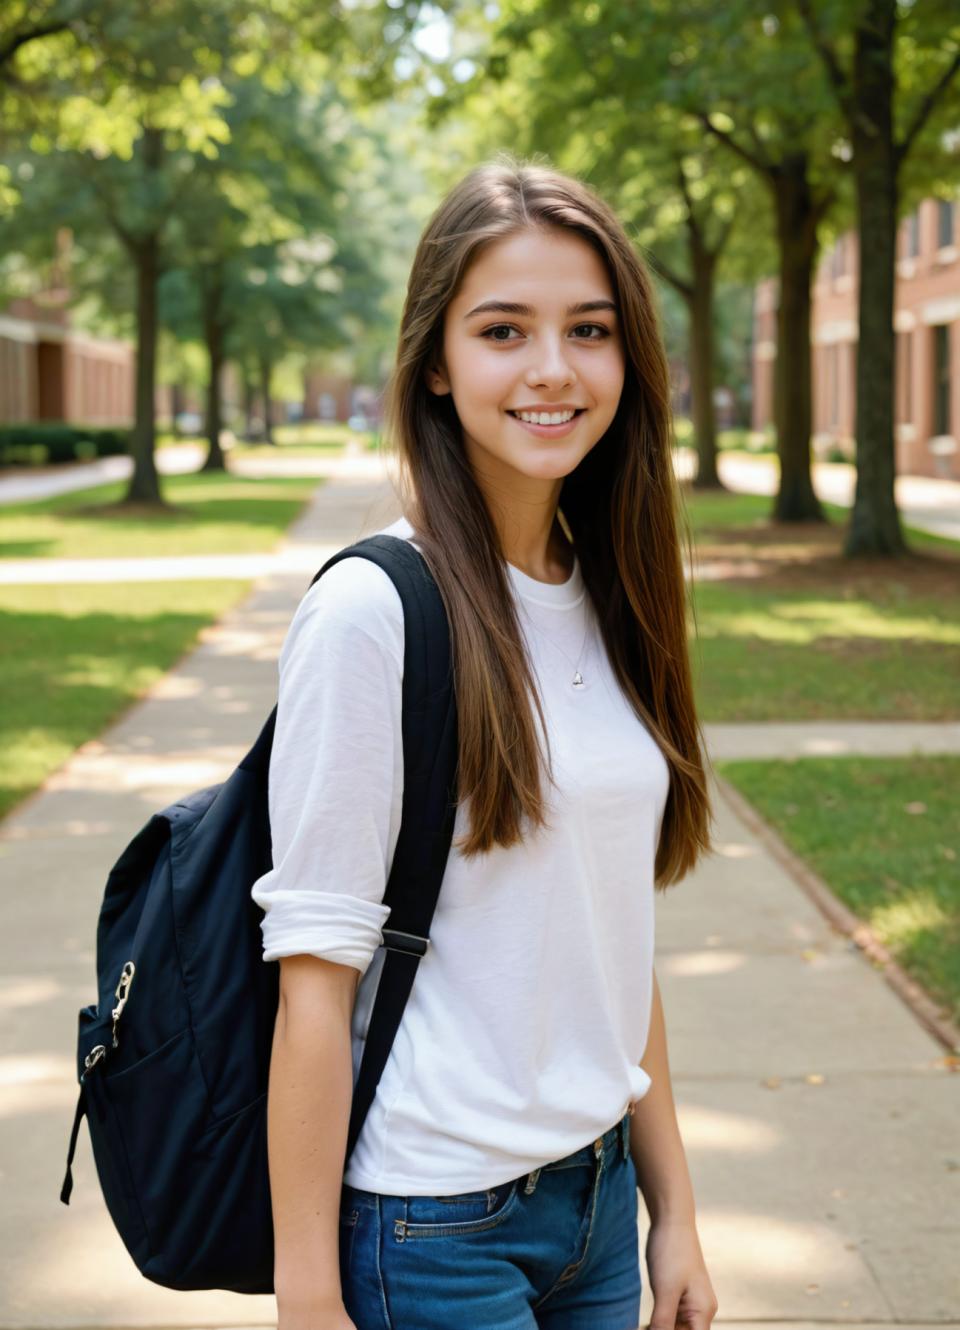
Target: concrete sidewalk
{"points": [[818, 1117], [27, 484], [830, 738]]}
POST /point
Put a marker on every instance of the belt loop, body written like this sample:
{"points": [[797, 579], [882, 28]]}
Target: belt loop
{"points": [[625, 1135], [532, 1179]]}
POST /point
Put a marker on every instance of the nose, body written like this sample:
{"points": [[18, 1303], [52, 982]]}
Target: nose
{"points": [[550, 367]]}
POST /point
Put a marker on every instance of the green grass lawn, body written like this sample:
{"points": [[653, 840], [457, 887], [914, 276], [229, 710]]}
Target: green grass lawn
{"points": [[213, 514], [775, 655], [791, 631], [711, 512], [75, 656], [884, 833], [733, 439], [312, 436], [311, 439]]}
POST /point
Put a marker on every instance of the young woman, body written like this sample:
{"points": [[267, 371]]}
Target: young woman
{"points": [[494, 1184]]}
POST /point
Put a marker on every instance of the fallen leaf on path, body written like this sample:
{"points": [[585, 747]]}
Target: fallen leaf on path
{"points": [[950, 1061]]}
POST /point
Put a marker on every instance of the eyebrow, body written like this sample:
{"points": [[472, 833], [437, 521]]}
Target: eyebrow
{"points": [[527, 311]]}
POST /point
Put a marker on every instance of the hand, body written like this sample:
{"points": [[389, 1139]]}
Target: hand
{"points": [[683, 1297]]}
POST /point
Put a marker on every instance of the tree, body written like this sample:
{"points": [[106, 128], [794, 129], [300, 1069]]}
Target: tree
{"points": [[684, 202], [272, 249], [749, 86], [904, 61], [145, 105], [582, 84]]}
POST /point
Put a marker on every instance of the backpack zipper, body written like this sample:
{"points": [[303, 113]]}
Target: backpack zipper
{"points": [[92, 1058], [122, 993]]}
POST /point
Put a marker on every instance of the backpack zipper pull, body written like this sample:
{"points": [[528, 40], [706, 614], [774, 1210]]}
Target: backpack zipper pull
{"points": [[92, 1058], [122, 993]]}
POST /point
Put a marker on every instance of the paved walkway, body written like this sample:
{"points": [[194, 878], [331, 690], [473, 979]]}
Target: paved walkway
{"points": [[818, 1118], [18, 486], [831, 738]]}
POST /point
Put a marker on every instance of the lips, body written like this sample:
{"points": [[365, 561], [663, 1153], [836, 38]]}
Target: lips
{"points": [[560, 431], [548, 411]]}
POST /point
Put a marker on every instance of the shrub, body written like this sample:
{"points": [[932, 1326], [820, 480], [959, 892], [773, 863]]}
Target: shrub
{"points": [[43, 443]]}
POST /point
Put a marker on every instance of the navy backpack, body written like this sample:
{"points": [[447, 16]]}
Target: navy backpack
{"points": [[173, 1058]]}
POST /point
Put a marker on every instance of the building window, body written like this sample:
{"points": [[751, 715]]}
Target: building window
{"points": [[833, 375], [905, 376], [945, 223], [941, 378], [838, 259], [913, 235]]}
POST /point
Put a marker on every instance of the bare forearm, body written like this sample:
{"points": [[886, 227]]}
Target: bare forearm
{"points": [[656, 1147], [311, 1084]]}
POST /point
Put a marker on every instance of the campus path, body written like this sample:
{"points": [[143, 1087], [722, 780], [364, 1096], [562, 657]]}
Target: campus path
{"points": [[21, 485], [818, 1117]]}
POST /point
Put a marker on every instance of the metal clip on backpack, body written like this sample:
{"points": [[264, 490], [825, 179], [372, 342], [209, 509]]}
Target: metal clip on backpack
{"points": [[173, 1059]]}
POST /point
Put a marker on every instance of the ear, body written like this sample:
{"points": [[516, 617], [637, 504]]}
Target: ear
{"points": [[437, 380]]}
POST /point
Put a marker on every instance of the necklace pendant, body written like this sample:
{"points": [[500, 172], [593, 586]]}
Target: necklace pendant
{"points": [[578, 680]]}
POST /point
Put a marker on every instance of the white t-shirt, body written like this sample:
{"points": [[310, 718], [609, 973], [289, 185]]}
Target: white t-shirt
{"points": [[530, 1011]]}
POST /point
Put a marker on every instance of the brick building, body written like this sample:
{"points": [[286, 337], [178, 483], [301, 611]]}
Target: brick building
{"points": [[49, 371], [927, 325]]}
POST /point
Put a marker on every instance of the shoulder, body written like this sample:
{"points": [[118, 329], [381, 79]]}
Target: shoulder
{"points": [[356, 603]]}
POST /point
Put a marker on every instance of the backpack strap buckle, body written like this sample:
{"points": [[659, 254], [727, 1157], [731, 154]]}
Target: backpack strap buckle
{"points": [[395, 940]]}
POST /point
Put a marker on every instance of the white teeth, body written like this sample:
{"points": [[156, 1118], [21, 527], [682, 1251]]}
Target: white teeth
{"points": [[546, 418]]}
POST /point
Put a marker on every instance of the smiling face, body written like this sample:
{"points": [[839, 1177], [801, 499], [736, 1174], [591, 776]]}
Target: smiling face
{"points": [[559, 346]]}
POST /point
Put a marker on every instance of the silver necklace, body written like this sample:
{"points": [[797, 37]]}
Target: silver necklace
{"points": [[577, 680]]}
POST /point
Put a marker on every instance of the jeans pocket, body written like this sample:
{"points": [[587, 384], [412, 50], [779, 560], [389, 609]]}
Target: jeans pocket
{"points": [[349, 1218], [461, 1214]]}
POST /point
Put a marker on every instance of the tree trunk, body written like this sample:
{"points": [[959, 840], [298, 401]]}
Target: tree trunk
{"points": [[144, 483], [213, 336], [875, 524], [176, 407], [797, 217], [266, 376], [249, 393], [703, 411], [145, 252]]}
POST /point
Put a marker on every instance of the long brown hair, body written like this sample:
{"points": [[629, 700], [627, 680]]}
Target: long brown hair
{"points": [[619, 507]]}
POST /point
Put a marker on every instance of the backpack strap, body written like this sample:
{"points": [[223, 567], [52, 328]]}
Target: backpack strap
{"points": [[430, 748]]}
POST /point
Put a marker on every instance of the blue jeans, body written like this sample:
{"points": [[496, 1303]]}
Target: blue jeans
{"points": [[557, 1248]]}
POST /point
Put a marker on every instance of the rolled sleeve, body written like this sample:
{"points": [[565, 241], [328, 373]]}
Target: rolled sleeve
{"points": [[336, 770], [323, 923]]}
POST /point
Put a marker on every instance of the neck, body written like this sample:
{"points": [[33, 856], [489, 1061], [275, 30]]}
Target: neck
{"points": [[533, 540]]}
